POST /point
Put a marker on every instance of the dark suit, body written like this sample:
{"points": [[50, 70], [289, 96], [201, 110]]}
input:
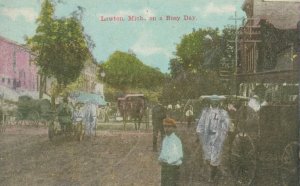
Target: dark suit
{"points": [[158, 114]]}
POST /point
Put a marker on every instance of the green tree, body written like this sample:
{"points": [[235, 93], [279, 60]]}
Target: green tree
{"points": [[126, 72], [200, 57], [60, 45]]}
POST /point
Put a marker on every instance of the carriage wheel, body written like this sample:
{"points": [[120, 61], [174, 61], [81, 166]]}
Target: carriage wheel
{"points": [[34, 118], [243, 159], [289, 164]]}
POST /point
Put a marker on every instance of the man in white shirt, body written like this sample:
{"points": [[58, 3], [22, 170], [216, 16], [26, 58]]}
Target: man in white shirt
{"points": [[171, 155]]}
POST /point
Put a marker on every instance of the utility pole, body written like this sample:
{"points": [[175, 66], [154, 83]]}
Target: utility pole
{"points": [[235, 18], [298, 61]]}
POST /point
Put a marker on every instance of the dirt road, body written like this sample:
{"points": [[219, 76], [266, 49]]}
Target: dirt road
{"points": [[27, 157], [113, 157]]}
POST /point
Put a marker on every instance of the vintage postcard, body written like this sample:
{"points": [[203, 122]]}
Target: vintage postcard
{"points": [[149, 92]]}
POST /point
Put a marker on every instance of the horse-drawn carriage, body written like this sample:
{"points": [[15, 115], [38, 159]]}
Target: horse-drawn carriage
{"points": [[80, 114], [266, 138], [61, 123], [132, 107]]}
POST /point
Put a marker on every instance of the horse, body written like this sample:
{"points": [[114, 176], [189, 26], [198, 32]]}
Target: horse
{"points": [[132, 109]]}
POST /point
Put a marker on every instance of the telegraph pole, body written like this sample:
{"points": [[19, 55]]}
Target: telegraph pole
{"points": [[298, 61], [235, 18]]}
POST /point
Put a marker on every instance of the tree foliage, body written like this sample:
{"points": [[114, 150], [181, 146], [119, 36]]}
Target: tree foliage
{"points": [[60, 45], [126, 72], [199, 58]]}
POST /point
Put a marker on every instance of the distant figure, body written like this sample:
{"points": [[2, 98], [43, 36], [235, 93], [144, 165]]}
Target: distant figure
{"points": [[170, 110], [78, 115], [158, 114], [177, 112], [189, 115], [106, 113], [171, 155], [212, 129], [64, 111], [90, 119]]}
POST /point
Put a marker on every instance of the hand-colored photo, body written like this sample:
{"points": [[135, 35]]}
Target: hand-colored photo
{"points": [[149, 92]]}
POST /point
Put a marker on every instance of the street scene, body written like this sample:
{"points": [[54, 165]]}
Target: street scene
{"points": [[150, 93]]}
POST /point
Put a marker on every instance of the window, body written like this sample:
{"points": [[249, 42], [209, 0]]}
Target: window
{"points": [[8, 80], [3, 80], [14, 60]]}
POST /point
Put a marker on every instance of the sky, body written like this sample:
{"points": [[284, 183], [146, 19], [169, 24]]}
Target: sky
{"points": [[153, 41]]}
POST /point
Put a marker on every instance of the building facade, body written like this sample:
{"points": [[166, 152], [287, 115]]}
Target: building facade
{"points": [[267, 53], [17, 68], [90, 81]]}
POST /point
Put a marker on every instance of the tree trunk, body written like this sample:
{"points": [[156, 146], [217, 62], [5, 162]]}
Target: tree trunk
{"points": [[41, 88], [55, 94]]}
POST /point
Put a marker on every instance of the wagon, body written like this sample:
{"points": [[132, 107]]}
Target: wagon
{"points": [[265, 139], [76, 130]]}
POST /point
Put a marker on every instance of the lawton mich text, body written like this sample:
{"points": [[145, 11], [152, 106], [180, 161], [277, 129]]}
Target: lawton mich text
{"points": [[143, 18]]}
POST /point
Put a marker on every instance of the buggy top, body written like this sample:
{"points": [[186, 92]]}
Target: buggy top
{"points": [[85, 97], [130, 95]]}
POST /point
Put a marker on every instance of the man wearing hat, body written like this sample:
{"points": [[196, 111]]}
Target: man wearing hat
{"points": [[64, 111], [171, 155], [212, 129], [158, 114]]}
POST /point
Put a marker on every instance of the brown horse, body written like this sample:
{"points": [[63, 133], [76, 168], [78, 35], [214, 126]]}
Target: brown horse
{"points": [[132, 109]]}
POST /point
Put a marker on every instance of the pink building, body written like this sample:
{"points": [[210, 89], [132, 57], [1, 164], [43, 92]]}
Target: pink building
{"points": [[17, 70]]}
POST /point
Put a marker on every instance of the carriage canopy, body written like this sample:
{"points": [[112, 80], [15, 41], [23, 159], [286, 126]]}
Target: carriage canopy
{"points": [[85, 97]]}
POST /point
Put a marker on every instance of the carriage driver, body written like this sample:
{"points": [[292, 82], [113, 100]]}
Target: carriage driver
{"points": [[65, 115], [212, 129]]}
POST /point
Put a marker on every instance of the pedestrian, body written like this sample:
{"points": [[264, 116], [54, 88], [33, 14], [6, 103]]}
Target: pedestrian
{"points": [[177, 111], [90, 119], [171, 155], [189, 115], [64, 111], [212, 129], [158, 114], [106, 113], [77, 121]]}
